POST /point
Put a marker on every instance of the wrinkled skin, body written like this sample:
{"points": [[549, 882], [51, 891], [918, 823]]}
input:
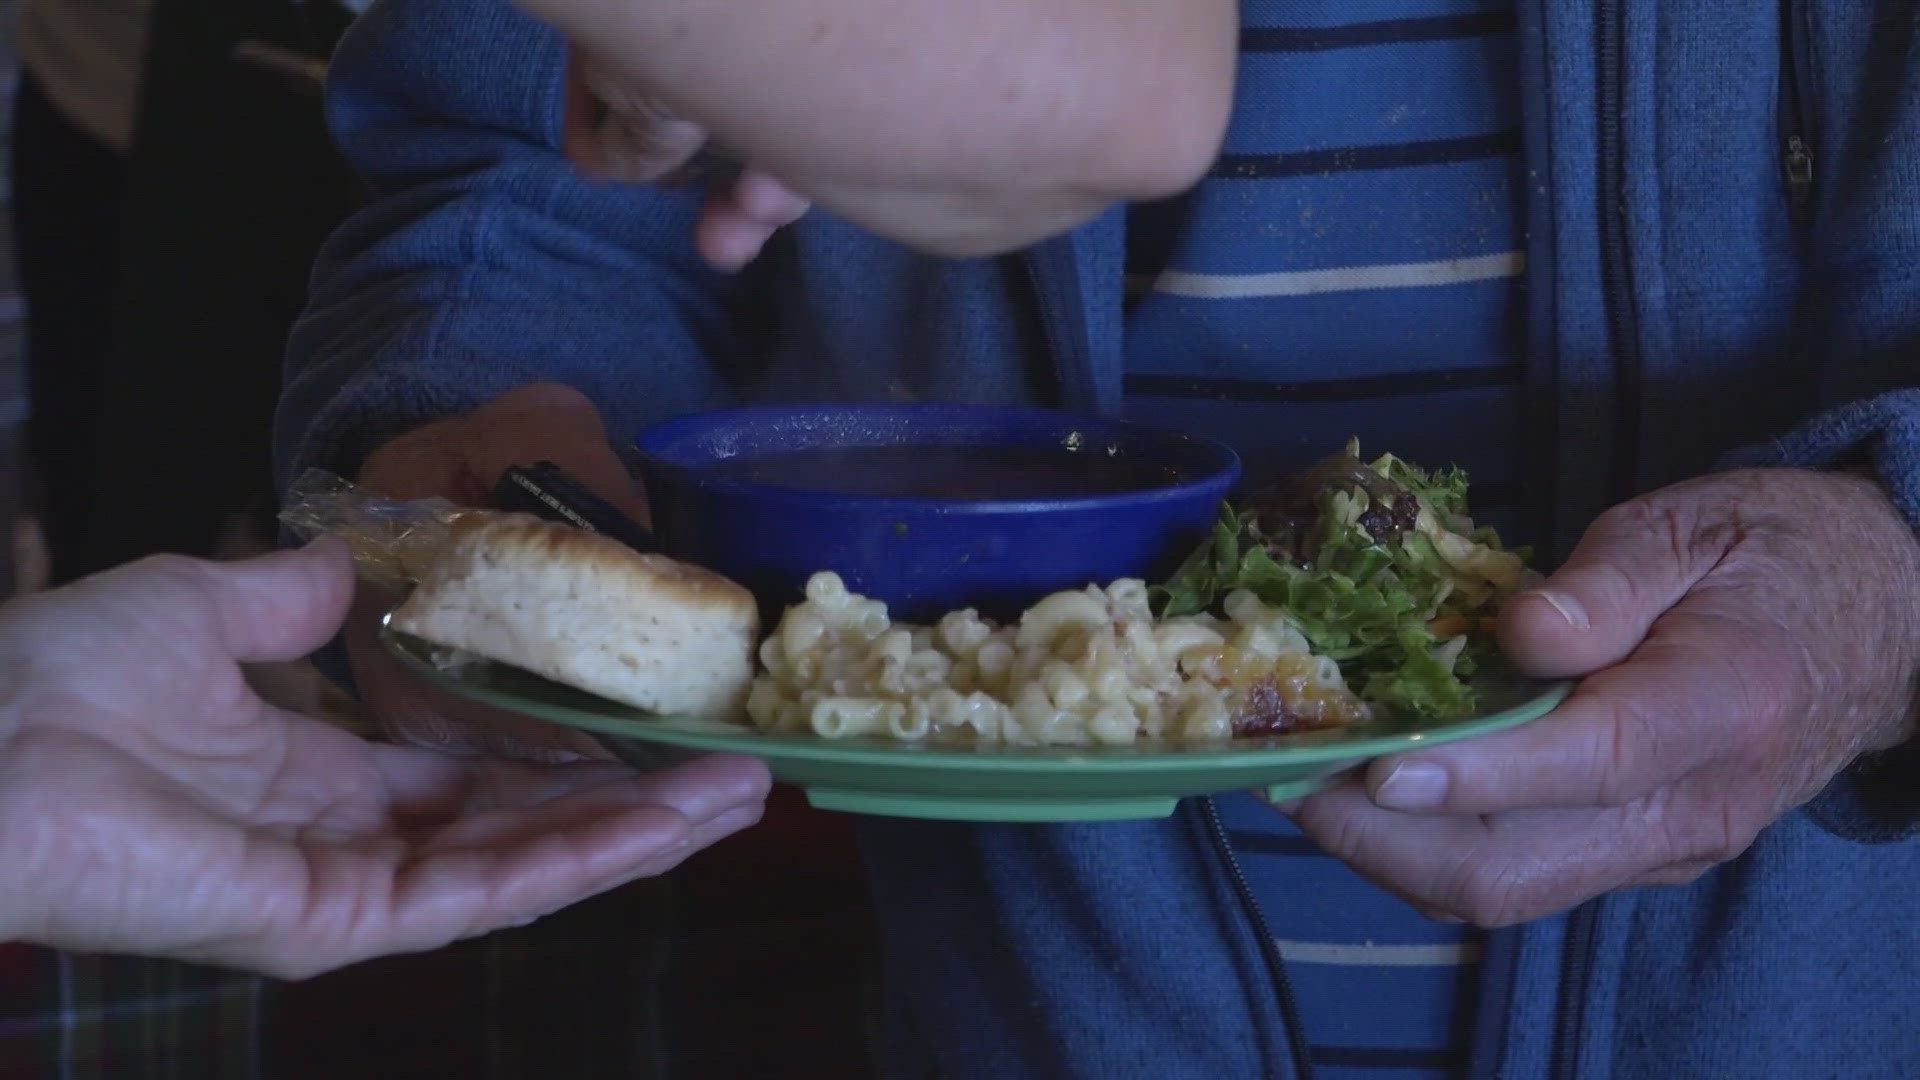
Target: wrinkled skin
{"points": [[151, 803], [1741, 639]]}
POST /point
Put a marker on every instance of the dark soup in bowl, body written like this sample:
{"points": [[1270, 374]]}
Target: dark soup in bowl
{"points": [[1020, 473], [929, 508]]}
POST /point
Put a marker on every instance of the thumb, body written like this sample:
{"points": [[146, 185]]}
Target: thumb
{"points": [[1634, 564], [282, 606]]}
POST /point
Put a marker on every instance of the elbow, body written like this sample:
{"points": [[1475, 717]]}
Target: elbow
{"points": [[1154, 141], [1167, 130], [1167, 146], [1190, 147], [1136, 111]]}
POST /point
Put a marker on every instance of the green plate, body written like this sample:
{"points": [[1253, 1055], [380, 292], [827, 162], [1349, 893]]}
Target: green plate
{"points": [[1008, 784]]}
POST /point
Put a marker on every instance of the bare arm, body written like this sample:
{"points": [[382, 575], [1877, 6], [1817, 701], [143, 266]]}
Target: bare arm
{"points": [[963, 128]]}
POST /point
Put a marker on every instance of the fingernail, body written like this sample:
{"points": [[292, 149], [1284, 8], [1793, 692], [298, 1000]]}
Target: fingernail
{"points": [[1416, 785], [1285, 806], [1568, 607]]}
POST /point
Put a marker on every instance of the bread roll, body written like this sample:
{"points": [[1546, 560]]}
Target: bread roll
{"points": [[590, 612]]}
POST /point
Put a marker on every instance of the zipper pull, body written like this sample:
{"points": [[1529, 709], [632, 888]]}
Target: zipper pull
{"points": [[1799, 170]]}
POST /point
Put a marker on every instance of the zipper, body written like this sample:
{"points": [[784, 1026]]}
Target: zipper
{"points": [[1799, 144], [1054, 271], [1799, 176], [1569, 1015], [1615, 270], [1616, 283], [1269, 949]]}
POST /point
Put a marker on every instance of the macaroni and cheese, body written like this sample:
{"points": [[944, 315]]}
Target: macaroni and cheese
{"points": [[1086, 668]]}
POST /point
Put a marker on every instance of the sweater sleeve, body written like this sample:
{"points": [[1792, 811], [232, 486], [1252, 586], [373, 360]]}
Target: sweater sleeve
{"points": [[482, 261], [1878, 800]]}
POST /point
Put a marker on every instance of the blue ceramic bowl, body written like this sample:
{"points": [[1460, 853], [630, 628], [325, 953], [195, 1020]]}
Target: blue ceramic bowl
{"points": [[924, 556]]}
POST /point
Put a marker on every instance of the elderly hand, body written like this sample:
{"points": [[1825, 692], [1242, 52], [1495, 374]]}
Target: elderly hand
{"points": [[151, 803], [1743, 638]]}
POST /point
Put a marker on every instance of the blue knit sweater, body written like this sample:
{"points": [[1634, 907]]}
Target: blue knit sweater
{"points": [[1690, 293]]}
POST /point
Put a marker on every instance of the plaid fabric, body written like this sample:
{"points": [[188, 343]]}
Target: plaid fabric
{"points": [[753, 960], [77, 1017]]}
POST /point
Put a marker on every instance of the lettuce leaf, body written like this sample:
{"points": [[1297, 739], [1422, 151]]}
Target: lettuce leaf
{"points": [[1378, 605]]}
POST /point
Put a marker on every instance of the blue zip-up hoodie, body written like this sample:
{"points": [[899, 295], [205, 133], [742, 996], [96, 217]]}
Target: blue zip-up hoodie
{"points": [[1693, 292]]}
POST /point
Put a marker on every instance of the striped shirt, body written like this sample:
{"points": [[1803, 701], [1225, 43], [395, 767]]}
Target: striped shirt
{"points": [[1351, 266]]}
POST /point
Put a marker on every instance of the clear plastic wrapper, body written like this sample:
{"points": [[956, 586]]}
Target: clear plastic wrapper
{"points": [[393, 541]]}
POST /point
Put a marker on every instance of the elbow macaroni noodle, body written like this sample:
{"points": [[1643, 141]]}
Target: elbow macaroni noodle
{"points": [[1085, 668]]}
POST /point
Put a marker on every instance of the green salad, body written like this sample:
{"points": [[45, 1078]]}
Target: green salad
{"points": [[1379, 565]]}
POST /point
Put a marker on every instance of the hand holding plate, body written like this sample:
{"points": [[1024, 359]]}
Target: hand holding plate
{"points": [[1744, 638], [151, 803]]}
